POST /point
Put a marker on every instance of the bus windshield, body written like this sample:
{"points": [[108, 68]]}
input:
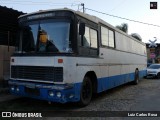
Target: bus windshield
{"points": [[45, 36]]}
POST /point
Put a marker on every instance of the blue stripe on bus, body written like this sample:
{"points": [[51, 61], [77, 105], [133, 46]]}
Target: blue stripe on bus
{"points": [[113, 81], [103, 84]]}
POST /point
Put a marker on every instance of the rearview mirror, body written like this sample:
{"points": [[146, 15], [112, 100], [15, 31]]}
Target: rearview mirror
{"points": [[82, 29]]}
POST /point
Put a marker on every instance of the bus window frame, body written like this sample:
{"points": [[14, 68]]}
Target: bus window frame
{"points": [[109, 29], [90, 25], [71, 35]]}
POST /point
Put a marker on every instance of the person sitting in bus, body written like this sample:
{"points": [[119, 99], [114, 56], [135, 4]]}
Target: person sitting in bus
{"points": [[45, 45], [42, 40]]}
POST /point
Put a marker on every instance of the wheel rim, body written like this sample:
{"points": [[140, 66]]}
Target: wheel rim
{"points": [[158, 75], [86, 91]]}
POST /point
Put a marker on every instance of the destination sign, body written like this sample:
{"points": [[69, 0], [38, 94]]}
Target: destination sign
{"points": [[40, 16]]}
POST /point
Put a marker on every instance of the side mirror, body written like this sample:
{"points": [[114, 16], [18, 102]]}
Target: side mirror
{"points": [[82, 29]]}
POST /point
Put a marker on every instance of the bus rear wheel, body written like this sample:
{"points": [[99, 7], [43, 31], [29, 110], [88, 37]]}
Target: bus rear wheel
{"points": [[158, 75], [86, 92]]}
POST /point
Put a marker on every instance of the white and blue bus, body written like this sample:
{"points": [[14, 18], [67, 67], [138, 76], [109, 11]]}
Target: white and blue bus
{"points": [[66, 56]]}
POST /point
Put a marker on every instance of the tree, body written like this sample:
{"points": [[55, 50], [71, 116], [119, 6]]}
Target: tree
{"points": [[123, 27], [137, 36]]}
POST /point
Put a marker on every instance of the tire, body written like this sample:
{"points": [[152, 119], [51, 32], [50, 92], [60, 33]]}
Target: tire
{"points": [[158, 75], [145, 77], [136, 77], [86, 92]]}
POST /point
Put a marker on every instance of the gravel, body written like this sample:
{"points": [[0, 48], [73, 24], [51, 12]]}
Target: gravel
{"points": [[123, 98]]}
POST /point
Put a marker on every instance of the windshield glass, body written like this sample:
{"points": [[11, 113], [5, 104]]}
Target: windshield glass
{"points": [[45, 36], [154, 66]]}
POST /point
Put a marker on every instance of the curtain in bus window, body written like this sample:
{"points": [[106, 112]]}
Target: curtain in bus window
{"points": [[111, 38], [86, 39], [93, 34], [104, 36], [29, 38]]}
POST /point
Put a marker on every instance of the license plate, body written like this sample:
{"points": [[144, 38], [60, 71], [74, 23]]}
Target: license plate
{"points": [[32, 91]]}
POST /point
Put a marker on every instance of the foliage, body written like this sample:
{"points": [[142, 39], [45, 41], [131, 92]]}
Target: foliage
{"points": [[137, 36], [123, 27]]}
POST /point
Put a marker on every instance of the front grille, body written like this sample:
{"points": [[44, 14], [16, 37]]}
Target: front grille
{"points": [[53, 74]]}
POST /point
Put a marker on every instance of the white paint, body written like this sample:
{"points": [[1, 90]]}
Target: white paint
{"points": [[128, 55]]}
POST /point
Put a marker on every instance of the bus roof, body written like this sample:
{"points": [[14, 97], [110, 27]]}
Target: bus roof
{"points": [[85, 15]]}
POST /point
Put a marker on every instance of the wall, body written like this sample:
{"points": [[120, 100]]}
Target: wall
{"points": [[5, 61]]}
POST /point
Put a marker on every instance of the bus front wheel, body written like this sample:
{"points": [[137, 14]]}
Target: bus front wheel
{"points": [[86, 92]]}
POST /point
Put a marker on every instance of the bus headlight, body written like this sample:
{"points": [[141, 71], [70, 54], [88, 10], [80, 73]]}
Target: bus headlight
{"points": [[17, 89], [51, 93], [12, 88], [71, 96], [59, 94]]}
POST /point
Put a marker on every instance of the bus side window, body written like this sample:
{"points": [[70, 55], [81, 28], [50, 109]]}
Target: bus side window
{"points": [[104, 36], [89, 38], [107, 37], [111, 38], [93, 36]]}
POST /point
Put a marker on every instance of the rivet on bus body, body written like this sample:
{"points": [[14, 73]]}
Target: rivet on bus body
{"points": [[60, 60]]}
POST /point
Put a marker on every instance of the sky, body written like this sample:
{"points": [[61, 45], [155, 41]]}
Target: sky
{"points": [[138, 10]]}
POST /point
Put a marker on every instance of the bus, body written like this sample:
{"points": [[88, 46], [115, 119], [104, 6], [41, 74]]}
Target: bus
{"points": [[69, 56]]}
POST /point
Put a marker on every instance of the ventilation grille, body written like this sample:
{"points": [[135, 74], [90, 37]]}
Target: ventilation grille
{"points": [[52, 74]]}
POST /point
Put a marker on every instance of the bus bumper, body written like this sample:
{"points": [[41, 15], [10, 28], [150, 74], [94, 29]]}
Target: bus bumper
{"points": [[52, 93]]}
